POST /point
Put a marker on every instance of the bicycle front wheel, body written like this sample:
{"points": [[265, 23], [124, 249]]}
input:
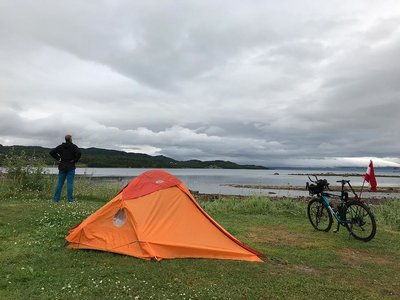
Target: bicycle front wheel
{"points": [[319, 215], [360, 221]]}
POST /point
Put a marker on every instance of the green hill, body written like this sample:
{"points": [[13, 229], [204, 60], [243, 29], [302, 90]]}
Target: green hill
{"points": [[104, 158]]}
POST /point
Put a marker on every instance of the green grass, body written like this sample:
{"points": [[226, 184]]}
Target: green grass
{"points": [[303, 264]]}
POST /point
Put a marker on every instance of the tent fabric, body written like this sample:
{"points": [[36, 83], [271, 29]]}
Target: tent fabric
{"points": [[156, 217]]}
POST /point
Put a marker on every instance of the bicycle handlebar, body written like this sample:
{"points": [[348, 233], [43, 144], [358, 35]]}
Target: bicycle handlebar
{"points": [[319, 185], [343, 181], [316, 178]]}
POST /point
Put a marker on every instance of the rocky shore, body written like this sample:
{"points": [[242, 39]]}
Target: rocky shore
{"points": [[383, 195], [333, 188], [327, 174]]}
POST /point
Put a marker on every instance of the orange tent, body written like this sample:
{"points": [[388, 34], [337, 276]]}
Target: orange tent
{"points": [[156, 217]]}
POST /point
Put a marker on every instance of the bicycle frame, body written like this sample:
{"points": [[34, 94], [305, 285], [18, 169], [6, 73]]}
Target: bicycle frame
{"points": [[325, 197], [343, 199]]}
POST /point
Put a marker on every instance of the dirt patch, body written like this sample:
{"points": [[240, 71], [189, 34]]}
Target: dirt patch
{"points": [[304, 269], [276, 235], [357, 257], [283, 264]]}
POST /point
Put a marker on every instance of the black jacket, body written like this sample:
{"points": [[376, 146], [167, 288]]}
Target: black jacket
{"points": [[67, 154]]}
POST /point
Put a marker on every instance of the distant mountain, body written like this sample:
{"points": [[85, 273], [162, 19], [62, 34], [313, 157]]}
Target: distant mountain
{"points": [[104, 158]]}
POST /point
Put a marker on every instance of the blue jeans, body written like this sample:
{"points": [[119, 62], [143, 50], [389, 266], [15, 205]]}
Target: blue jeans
{"points": [[69, 175]]}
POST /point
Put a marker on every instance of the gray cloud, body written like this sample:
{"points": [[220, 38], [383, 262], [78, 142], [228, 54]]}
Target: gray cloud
{"points": [[292, 83]]}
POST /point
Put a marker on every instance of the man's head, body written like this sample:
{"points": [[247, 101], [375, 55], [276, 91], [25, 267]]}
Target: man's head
{"points": [[68, 138]]}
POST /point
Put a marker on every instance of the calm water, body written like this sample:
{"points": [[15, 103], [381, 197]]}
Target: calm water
{"points": [[217, 181]]}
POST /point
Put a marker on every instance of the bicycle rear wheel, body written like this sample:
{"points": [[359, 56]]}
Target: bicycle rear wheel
{"points": [[319, 215], [360, 221]]}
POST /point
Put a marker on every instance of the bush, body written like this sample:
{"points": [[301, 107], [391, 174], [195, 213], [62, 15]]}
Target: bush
{"points": [[25, 172], [389, 214], [257, 205]]}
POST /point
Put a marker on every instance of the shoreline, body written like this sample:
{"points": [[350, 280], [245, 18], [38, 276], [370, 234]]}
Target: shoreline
{"points": [[214, 197], [384, 194], [333, 188], [328, 174]]}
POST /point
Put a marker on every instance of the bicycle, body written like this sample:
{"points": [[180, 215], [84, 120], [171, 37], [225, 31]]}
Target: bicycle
{"points": [[353, 214]]}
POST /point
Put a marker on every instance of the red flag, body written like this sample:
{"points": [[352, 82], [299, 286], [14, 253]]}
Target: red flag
{"points": [[370, 176]]}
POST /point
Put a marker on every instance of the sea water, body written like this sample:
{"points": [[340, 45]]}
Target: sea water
{"points": [[244, 181]]}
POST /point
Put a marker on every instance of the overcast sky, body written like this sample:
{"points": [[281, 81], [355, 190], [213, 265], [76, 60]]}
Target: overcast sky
{"points": [[273, 83]]}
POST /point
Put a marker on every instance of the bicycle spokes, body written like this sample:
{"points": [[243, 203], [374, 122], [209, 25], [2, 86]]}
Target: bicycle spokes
{"points": [[358, 216], [360, 221], [319, 215]]}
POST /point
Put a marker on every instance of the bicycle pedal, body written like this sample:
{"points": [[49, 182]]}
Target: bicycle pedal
{"points": [[335, 230]]}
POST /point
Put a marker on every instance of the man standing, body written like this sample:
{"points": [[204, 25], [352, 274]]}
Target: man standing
{"points": [[67, 154]]}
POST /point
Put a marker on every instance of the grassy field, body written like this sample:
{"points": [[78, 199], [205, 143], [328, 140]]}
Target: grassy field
{"points": [[302, 264]]}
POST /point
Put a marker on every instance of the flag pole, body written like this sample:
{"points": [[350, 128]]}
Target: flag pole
{"points": [[362, 187]]}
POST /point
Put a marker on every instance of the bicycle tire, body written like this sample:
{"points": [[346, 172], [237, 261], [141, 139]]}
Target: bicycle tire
{"points": [[319, 215], [360, 221]]}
